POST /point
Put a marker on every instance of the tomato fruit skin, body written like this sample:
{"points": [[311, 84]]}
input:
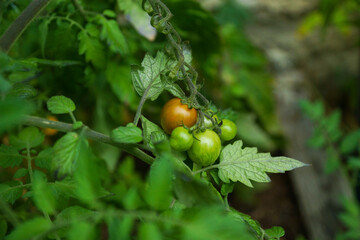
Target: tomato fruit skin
{"points": [[228, 130], [180, 139], [175, 114], [206, 148]]}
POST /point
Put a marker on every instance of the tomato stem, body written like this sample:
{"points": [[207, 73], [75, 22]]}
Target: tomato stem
{"points": [[133, 149]]}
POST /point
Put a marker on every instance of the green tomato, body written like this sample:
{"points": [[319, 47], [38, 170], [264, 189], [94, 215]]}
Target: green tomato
{"points": [[228, 130], [206, 148], [181, 139], [208, 123]]}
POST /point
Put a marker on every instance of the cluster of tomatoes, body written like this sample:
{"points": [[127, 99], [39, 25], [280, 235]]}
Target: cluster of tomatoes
{"points": [[203, 147]]}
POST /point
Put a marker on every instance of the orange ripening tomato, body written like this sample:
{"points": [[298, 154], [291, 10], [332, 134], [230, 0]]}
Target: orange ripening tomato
{"points": [[175, 114], [50, 131]]}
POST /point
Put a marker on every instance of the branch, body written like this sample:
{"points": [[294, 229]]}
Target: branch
{"points": [[21, 23], [90, 134]]}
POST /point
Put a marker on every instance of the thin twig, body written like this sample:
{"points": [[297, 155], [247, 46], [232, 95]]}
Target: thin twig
{"points": [[21, 23]]}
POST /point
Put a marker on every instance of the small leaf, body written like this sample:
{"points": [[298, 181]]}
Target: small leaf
{"points": [[77, 125], [275, 232], [42, 195], [28, 138], [11, 191], [66, 153], [92, 48], [60, 105], [120, 228], [22, 91], [29, 229], [9, 156], [151, 128], [149, 231], [109, 13], [68, 214], [81, 231], [128, 134], [227, 188], [148, 75], [351, 142], [21, 172], [243, 165], [110, 32], [44, 159]]}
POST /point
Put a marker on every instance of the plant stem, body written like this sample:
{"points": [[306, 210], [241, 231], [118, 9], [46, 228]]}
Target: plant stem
{"points": [[72, 117], [28, 156], [90, 134], [143, 99], [79, 7], [21, 23]]}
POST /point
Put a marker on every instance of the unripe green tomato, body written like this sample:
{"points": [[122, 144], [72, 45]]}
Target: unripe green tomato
{"points": [[180, 139], [228, 130], [208, 123], [205, 148]]}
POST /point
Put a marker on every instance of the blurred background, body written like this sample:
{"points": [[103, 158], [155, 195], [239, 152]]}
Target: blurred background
{"points": [[286, 71]]}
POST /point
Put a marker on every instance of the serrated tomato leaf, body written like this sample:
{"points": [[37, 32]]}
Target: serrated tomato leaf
{"points": [[244, 164]]}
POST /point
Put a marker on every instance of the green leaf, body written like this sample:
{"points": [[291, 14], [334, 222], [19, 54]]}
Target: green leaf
{"points": [[138, 18], [44, 159], [29, 137], [67, 215], [3, 228], [60, 105], [42, 195], [29, 229], [128, 134], [9, 156], [86, 176], [150, 128], [77, 125], [214, 223], [148, 75], [110, 32], [120, 228], [12, 111], [158, 193], [66, 153], [149, 231], [227, 188], [81, 231], [92, 48], [11, 191], [275, 232], [21, 172], [351, 142], [333, 161], [119, 78], [192, 191], [22, 91], [109, 13], [243, 165]]}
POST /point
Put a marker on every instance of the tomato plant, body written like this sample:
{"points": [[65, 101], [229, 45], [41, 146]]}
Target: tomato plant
{"points": [[180, 139], [206, 148], [228, 130], [85, 181], [175, 114]]}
